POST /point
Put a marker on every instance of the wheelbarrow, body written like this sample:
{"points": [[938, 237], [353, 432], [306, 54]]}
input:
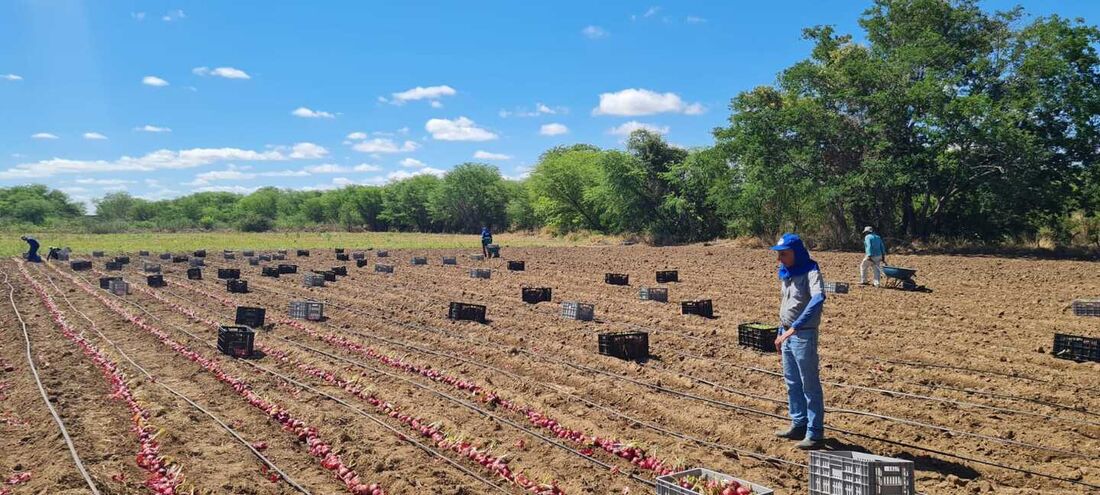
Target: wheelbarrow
{"points": [[900, 278]]}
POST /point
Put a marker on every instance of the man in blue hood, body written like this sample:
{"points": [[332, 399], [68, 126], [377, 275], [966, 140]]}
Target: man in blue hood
{"points": [[486, 240], [802, 291], [32, 249]]}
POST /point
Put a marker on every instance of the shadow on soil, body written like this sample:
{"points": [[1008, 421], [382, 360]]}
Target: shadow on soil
{"points": [[920, 462]]}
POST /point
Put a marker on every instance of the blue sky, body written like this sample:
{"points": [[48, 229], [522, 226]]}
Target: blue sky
{"points": [[165, 98]]}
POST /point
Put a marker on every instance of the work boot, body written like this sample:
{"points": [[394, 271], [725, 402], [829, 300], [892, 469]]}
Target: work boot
{"points": [[792, 433], [811, 444]]}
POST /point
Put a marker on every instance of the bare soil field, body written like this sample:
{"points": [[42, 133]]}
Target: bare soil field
{"points": [[388, 395]]}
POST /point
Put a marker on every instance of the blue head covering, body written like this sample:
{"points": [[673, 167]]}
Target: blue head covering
{"points": [[803, 264], [485, 232]]}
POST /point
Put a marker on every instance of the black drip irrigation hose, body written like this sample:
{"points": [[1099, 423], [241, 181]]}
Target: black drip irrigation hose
{"points": [[152, 379], [347, 405], [842, 431], [42, 391]]}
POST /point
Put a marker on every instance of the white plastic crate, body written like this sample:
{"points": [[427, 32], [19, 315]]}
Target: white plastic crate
{"points": [[118, 287], [670, 484], [856, 473], [574, 310], [313, 280], [307, 310], [836, 287], [659, 294], [1086, 307], [480, 273]]}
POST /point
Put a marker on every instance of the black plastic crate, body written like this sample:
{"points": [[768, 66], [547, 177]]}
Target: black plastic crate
{"points": [[254, 261], [80, 265], [380, 268], [229, 256], [382, 254], [617, 279], [464, 311], [236, 341], [125, 260], [702, 307], [285, 269], [228, 273], [264, 257], [201, 253], [303, 253], [194, 273], [342, 257], [250, 316], [143, 253], [193, 262], [165, 256], [105, 282], [757, 336], [493, 250], [340, 270], [339, 250], [113, 266], [517, 266], [480, 273], [97, 254], [361, 263], [535, 295], [329, 275], [269, 271], [151, 268], [236, 286], [156, 281], [1076, 348], [625, 345], [358, 255], [418, 260], [180, 259], [450, 260], [666, 276]]}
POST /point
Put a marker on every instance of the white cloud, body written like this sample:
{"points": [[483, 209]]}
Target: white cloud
{"points": [[158, 160], [218, 175], [485, 155], [154, 81], [412, 163], [226, 72], [594, 32], [553, 129], [628, 127], [327, 168], [284, 173], [357, 135], [152, 128], [540, 109], [94, 136], [432, 93], [173, 15], [691, 19], [43, 135], [307, 113], [366, 167], [307, 151], [104, 182], [437, 104], [652, 11], [403, 174], [138, 15], [633, 101], [342, 181], [12, 77], [385, 145], [228, 189], [460, 129]]}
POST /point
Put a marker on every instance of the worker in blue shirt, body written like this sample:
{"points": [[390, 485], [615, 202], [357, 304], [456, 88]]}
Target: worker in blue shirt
{"points": [[874, 251], [802, 297], [486, 240], [32, 251]]}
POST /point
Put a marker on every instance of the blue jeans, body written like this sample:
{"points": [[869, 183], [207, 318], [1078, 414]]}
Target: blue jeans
{"points": [[806, 402]]}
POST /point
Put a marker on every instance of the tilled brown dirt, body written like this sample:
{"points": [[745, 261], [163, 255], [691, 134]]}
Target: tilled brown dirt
{"points": [[960, 379]]}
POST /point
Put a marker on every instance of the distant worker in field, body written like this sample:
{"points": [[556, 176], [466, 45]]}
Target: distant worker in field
{"points": [[802, 297], [874, 251], [32, 251], [486, 240]]}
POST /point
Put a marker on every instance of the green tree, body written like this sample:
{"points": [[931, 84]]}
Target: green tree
{"points": [[470, 196], [405, 204], [562, 188]]}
